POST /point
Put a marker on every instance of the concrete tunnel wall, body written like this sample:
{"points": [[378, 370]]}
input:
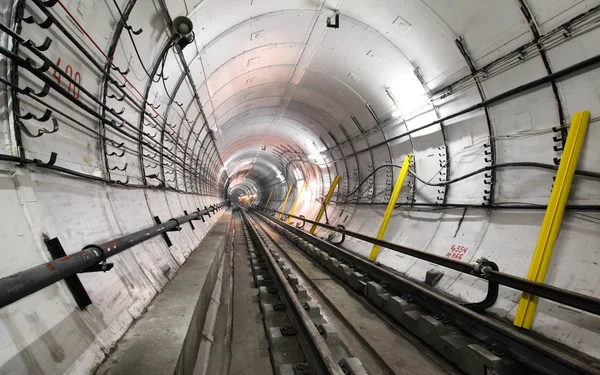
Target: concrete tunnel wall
{"points": [[271, 74]]}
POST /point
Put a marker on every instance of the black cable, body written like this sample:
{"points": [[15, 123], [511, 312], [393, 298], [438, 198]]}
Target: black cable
{"points": [[137, 53], [37, 163], [478, 171], [162, 74], [502, 165], [368, 176]]}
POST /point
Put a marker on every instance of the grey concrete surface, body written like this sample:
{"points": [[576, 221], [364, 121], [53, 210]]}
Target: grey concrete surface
{"points": [[165, 339], [220, 352]]}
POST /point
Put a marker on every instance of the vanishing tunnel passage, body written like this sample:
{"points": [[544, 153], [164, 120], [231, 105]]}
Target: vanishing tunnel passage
{"points": [[300, 186]]}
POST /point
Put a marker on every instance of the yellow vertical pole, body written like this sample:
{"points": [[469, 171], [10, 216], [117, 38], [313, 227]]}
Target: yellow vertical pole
{"points": [[391, 204], [269, 199], [336, 179], [553, 217], [285, 200], [296, 202]]}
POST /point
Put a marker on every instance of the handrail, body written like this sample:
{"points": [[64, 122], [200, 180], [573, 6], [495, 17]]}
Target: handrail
{"points": [[562, 296], [24, 283]]}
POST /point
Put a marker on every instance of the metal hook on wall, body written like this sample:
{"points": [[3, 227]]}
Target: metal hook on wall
{"points": [[150, 165], [40, 132], [118, 182], [116, 83], [111, 96], [42, 47], [117, 145], [112, 110], [150, 157], [160, 76], [119, 169], [45, 66], [51, 161], [117, 155], [155, 107], [41, 94], [43, 24], [114, 67], [134, 32], [45, 117]]}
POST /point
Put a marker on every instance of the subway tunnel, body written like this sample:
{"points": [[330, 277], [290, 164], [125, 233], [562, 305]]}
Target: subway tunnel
{"points": [[300, 187]]}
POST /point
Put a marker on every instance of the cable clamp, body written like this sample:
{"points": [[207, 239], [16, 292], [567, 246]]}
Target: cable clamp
{"points": [[102, 265], [481, 266], [177, 228]]}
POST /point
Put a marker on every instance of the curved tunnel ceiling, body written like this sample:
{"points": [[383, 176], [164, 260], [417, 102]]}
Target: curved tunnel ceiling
{"points": [[272, 76]]}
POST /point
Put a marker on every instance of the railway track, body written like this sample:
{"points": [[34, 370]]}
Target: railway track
{"points": [[473, 342], [300, 339], [328, 311]]}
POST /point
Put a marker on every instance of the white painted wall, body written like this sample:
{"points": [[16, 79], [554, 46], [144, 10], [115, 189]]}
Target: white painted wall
{"points": [[46, 333]]}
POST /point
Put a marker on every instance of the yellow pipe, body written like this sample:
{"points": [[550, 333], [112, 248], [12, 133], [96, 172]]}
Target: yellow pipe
{"points": [[269, 199], [325, 203], [553, 217], [296, 202], [391, 204], [285, 200]]}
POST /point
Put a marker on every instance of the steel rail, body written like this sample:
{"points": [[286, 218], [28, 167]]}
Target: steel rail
{"points": [[562, 296], [322, 354], [520, 345], [21, 284]]}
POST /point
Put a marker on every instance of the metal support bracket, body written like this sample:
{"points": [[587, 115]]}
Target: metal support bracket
{"points": [[201, 216], [191, 222], [164, 235], [100, 267], [73, 283]]}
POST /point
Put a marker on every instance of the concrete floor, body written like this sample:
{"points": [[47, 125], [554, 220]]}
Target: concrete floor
{"points": [[165, 339]]}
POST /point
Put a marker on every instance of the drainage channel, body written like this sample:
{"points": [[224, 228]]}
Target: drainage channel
{"points": [[301, 342], [463, 345]]}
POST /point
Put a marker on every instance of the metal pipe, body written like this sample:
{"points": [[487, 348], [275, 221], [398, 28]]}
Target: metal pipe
{"points": [[562, 296], [24, 283]]}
